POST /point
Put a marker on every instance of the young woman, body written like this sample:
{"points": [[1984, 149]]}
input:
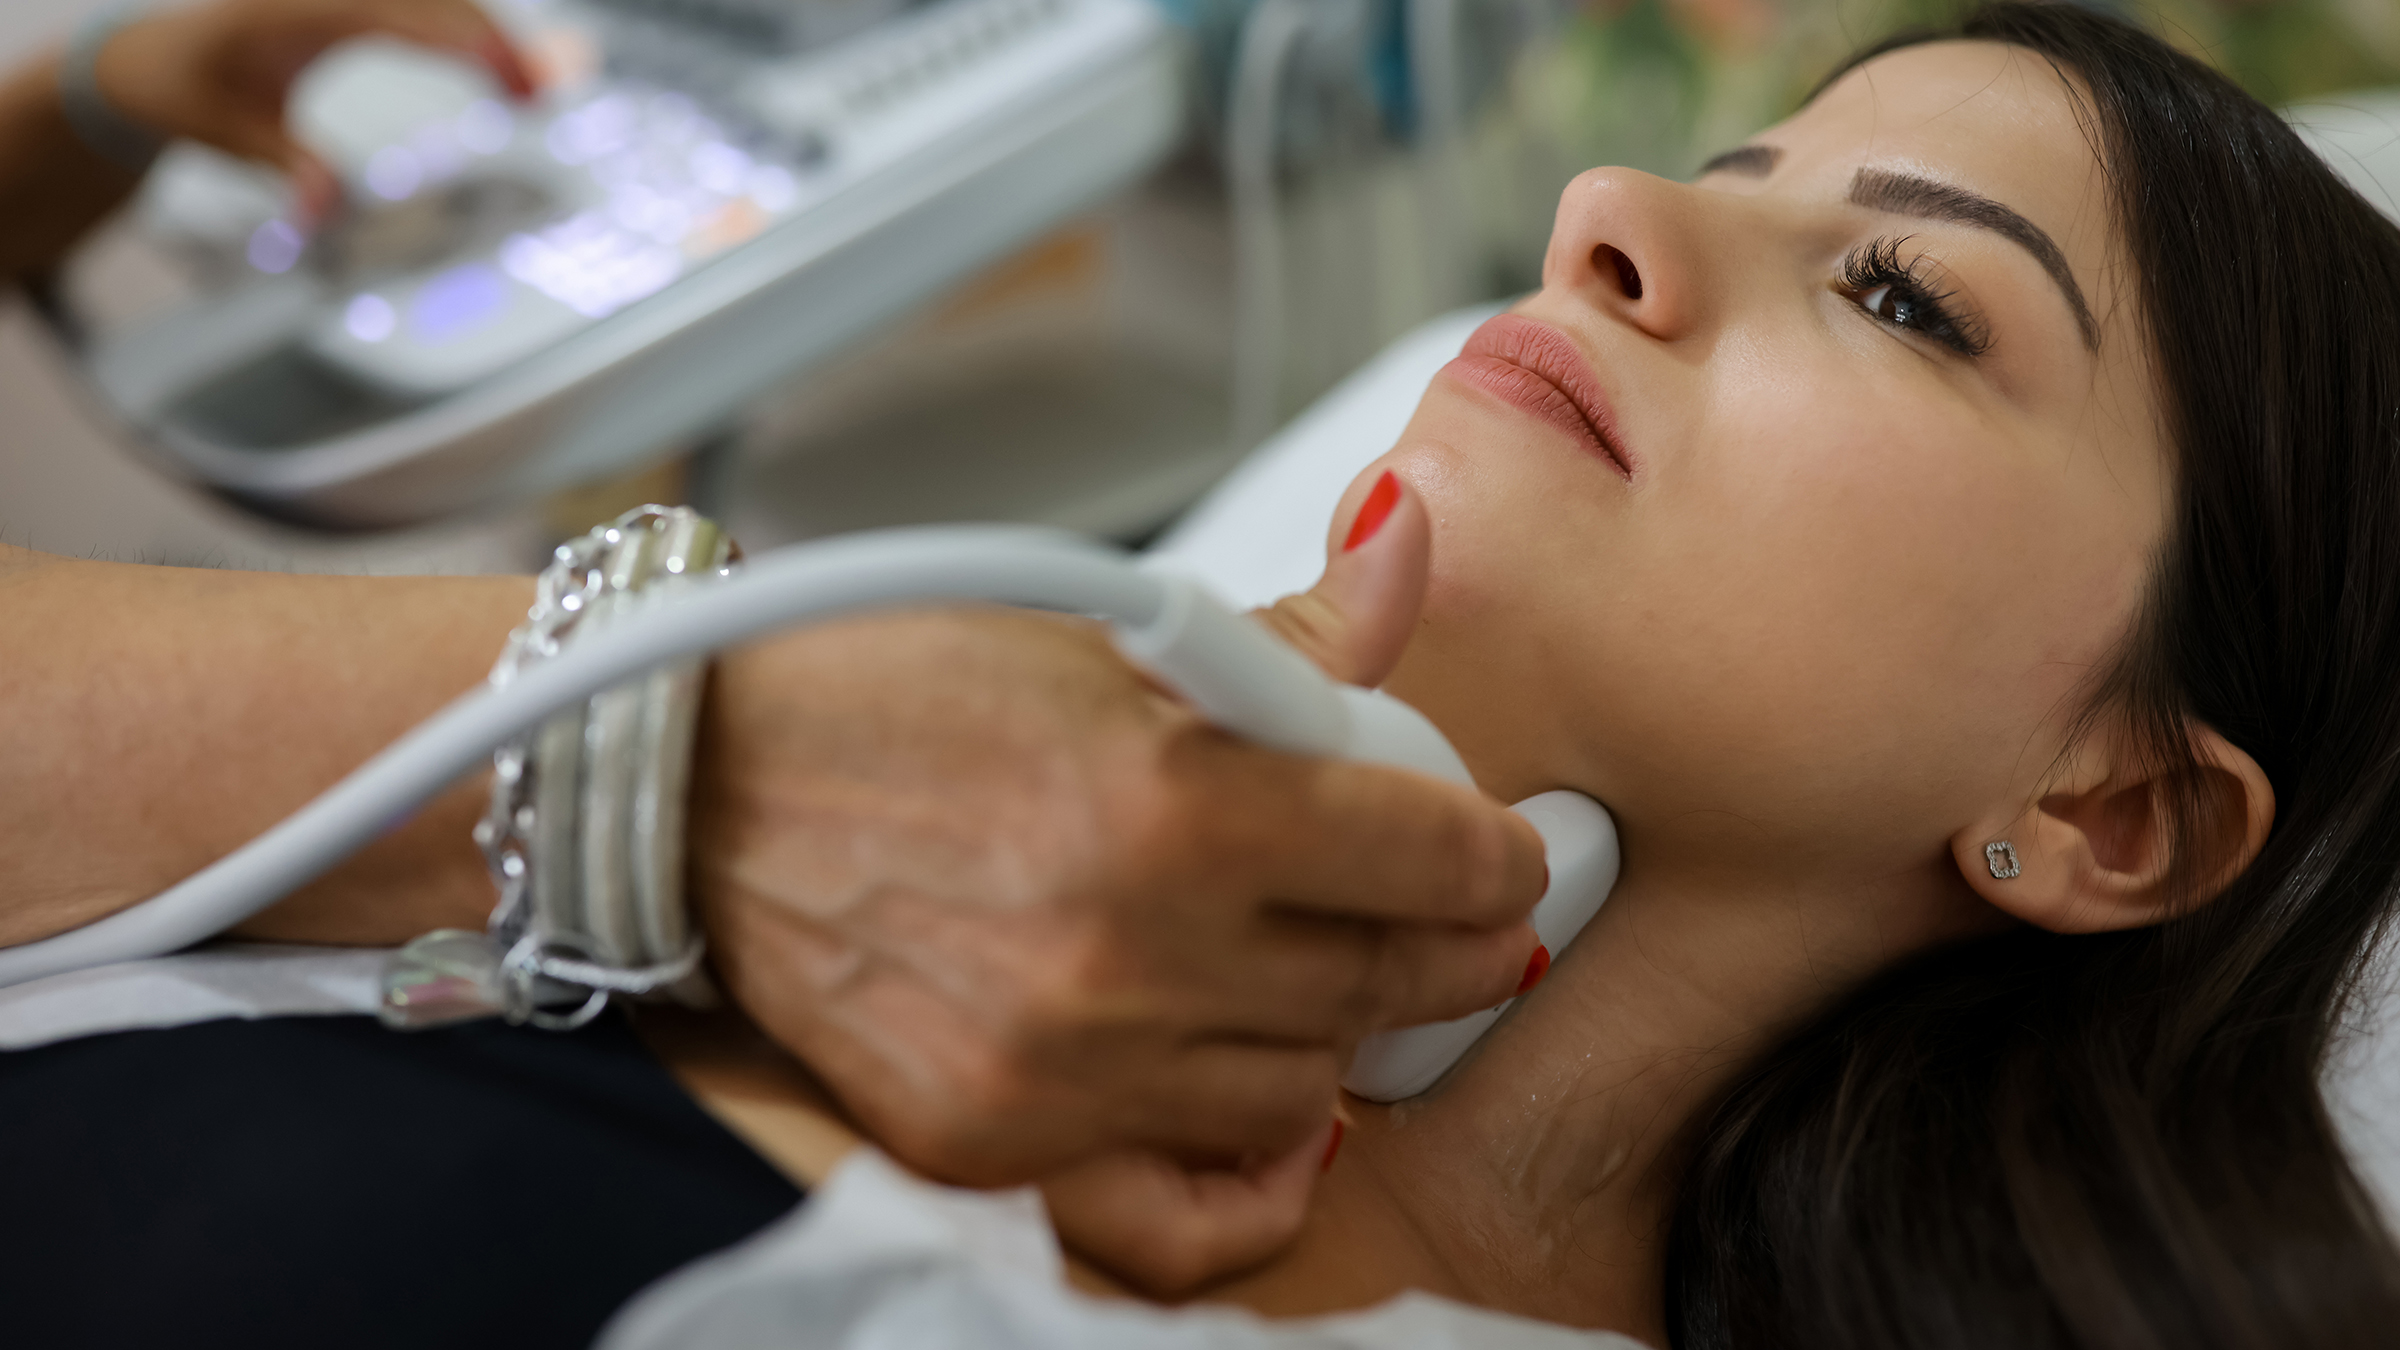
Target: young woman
{"points": [[1959, 537]]}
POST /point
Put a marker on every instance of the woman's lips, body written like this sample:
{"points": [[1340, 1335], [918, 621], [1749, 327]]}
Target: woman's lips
{"points": [[1534, 367]]}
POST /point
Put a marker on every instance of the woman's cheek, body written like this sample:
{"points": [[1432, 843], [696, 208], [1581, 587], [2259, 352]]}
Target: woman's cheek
{"points": [[1516, 512], [1502, 608], [1467, 504]]}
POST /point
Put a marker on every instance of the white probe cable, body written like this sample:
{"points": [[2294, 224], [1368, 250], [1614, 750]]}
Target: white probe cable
{"points": [[1232, 670]]}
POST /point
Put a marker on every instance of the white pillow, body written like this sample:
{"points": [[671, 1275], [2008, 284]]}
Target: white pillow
{"points": [[2359, 135]]}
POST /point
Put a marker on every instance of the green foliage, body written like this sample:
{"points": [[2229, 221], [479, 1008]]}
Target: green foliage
{"points": [[1661, 83]]}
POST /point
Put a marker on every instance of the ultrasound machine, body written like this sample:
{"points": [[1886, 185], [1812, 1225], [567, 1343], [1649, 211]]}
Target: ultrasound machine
{"points": [[709, 196]]}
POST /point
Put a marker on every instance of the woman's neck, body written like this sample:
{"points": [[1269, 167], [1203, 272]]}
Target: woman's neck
{"points": [[1540, 1176]]}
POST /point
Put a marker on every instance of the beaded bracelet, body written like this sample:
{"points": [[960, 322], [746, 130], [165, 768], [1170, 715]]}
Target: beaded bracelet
{"points": [[584, 834]]}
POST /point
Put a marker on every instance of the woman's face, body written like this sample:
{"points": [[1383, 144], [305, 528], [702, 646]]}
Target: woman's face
{"points": [[1892, 479]]}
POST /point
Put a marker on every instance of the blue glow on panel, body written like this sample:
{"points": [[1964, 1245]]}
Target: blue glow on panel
{"points": [[394, 173], [590, 265], [773, 188], [720, 168], [600, 127], [275, 246], [465, 297], [370, 318], [485, 127]]}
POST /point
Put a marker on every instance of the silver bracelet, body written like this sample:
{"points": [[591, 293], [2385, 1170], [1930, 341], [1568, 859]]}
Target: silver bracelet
{"points": [[97, 123], [584, 834]]}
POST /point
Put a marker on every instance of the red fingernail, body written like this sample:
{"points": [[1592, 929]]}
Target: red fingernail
{"points": [[1535, 969], [502, 60], [1377, 508], [1332, 1146]]}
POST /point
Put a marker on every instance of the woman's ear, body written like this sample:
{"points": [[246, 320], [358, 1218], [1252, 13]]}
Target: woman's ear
{"points": [[2098, 851]]}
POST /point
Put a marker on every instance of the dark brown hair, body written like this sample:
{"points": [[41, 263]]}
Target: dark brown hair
{"points": [[2119, 1140]]}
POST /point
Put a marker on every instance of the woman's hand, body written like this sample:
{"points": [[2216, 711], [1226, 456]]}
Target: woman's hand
{"points": [[1036, 919], [1170, 1228], [220, 72], [1173, 1225], [1019, 907]]}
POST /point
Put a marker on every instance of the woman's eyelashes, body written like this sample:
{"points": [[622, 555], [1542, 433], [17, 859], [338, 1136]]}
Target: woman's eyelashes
{"points": [[1907, 297]]}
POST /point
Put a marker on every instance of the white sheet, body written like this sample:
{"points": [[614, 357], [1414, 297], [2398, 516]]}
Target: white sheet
{"points": [[232, 979], [879, 1260]]}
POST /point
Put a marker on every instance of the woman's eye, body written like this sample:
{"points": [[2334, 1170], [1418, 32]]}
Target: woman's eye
{"points": [[1887, 304], [1896, 295]]}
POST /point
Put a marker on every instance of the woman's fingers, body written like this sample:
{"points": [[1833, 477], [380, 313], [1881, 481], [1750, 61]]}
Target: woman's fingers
{"points": [[222, 73], [316, 188], [1317, 980], [1225, 1098], [1372, 842], [1170, 1228], [966, 1088], [1030, 912], [1356, 621], [1349, 897], [458, 26]]}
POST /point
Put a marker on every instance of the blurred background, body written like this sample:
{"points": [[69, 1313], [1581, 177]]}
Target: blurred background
{"points": [[1340, 171]]}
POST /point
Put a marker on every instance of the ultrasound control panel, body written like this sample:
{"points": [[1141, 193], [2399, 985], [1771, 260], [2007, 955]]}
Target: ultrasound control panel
{"points": [[710, 195]]}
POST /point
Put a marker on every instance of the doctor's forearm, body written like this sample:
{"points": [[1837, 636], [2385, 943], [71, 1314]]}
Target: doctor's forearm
{"points": [[52, 186], [152, 719]]}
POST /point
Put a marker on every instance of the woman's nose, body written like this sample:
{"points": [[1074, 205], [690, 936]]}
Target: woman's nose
{"points": [[1626, 242]]}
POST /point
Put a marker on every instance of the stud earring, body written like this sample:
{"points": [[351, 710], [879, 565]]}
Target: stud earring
{"points": [[2002, 859]]}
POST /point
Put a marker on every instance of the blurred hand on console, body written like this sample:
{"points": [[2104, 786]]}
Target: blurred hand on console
{"points": [[220, 72]]}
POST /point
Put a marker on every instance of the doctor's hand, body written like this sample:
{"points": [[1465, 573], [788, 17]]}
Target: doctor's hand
{"points": [[1021, 909], [219, 72], [1171, 1224]]}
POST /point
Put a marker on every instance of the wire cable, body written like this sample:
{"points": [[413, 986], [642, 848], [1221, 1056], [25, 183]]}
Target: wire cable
{"points": [[1007, 565], [1230, 669]]}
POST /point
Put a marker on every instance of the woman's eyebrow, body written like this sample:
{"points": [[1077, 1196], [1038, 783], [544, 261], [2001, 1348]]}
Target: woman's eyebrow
{"points": [[1909, 195], [1750, 161]]}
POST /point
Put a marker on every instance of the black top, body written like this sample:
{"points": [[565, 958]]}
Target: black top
{"points": [[320, 1181]]}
